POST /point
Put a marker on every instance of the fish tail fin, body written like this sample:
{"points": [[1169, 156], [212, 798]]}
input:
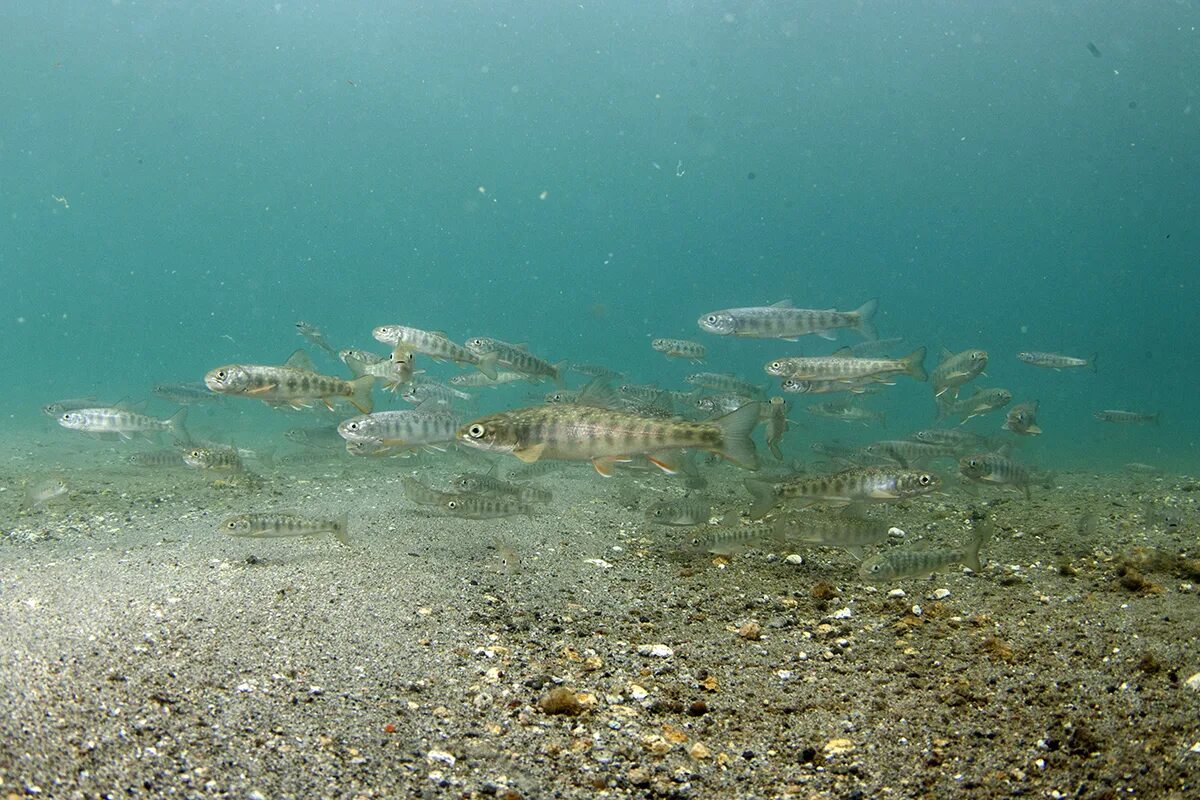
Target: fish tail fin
{"points": [[360, 398], [865, 326], [175, 423], [775, 451], [1092, 361], [981, 536], [355, 365], [764, 497], [914, 364], [736, 427], [341, 529], [487, 364]]}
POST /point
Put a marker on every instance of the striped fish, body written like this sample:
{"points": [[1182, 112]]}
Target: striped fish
{"points": [[1113, 415], [831, 530], [573, 431], [418, 427], [434, 344], [723, 382], [995, 469], [686, 512], [981, 401], [680, 348], [1056, 361], [295, 384], [841, 366], [782, 321], [122, 422], [515, 357], [955, 369], [472, 506], [1022, 419], [898, 564], [284, 524], [859, 485]]}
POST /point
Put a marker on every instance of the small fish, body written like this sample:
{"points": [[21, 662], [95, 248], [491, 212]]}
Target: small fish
{"points": [[776, 410], [595, 371], [483, 507], [284, 524], [562, 396], [158, 458], [476, 380], [60, 407], [782, 321], [841, 366], [686, 512], [680, 348], [1022, 419], [995, 469], [534, 470], [419, 427], [847, 413], [955, 369], [475, 483], [908, 453], [794, 386], [294, 384], [325, 436], [42, 492], [900, 564], [981, 401], [392, 372], [953, 437], [515, 357], [723, 382], [1095, 51], [421, 494], [224, 459], [434, 344], [831, 530], [1056, 361], [185, 394], [122, 422], [875, 347], [1112, 415], [424, 389], [1138, 467], [850, 486], [314, 335], [721, 403], [573, 431], [732, 542]]}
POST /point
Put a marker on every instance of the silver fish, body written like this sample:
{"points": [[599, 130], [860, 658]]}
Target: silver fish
{"points": [[313, 334], [842, 366], [782, 321], [1113, 415], [186, 394], [294, 384], [981, 401], [680, 348], [1022, 419], [122, 422], [850, 486], [418, 427], [899, 564], [686, 512], [434, 344], [284, 524], [1056, 361], [955, 369], [40, 493]]}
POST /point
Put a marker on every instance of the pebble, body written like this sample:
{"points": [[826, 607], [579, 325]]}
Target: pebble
{"points": [[795, 558], [916, 611], [655, 650], [637, 692], [750, 630], [843, 613], [1193, 682], [836, 747], [699, 751], [441, 756], [896, 593], [895, 532], [939, 594]]}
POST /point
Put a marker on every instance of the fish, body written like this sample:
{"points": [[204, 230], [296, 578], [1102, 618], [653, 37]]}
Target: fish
{"points": [[850, 486], [594, 370], [958, 439], [915, 563], [423, 426], [1113, 415], [534, 470], [680, 348], [185, 394], [476, 483], [783, 321], [732, 542], [122, 422], [1022, 419], [471, 506], [423, 389], [847, 413], [573, 431], [434, 344], [955, 369], [477, 380], [775, 411], [874, 347], [721, 403], [831, 530], [995, 469], [686, 512], [365, 356], [294, 384], [60, 407], [841, 366], [981, 401], [421, 494], [158, 458], [313, 334], [794, 386], [1056, 361], [1139, 467], [907, 453], [284, 524], [392, 372], [516, 358], [562, 396], [42, 492], [224, 459], [723, 382], [325, 436]]}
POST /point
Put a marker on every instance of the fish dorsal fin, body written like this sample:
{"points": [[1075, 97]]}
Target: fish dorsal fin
{"points": [[440, 333], [844, 352], [134, 406], [1004, 450], [944, 354], [521, 345], [597, 393], [300, 360], [785, 303]]}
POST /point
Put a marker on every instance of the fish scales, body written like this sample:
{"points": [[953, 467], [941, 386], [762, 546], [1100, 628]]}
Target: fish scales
{"points": [[783, 321], [680, 348], [842, 366], [295, 383]]}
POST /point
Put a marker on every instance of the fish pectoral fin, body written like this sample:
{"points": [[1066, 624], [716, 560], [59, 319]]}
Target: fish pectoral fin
{"points": [[393, 442], [827, 335], [262, 389], [326, 403], [664, 463], [530, 454], [604, 464]]}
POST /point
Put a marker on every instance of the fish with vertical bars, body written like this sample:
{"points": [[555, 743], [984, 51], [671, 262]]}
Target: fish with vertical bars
{"points": [[295, 384]]}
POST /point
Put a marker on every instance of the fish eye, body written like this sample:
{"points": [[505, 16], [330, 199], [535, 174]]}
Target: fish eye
{"points": [[658, 512], [925, 480], [453, 504], [352, 426], [475, 431], [711, 319], [974, 462], [776, 365]]}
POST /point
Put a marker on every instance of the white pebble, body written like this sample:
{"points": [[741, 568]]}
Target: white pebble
{"points": [[637, 692], [895, 532], [843, 613], [442, 756], [245, 687], [896, 593], [940, 594], [655, 650], [916, 611], [599, 562], [795, 558], [1193, 682]]}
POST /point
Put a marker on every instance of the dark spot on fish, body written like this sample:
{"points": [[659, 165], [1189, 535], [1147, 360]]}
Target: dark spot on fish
{"points": [[750, 176], [1093, 49]]}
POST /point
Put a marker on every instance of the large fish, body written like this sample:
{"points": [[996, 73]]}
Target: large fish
{"points": [[605, 436], [782, 321], [294, 384]]}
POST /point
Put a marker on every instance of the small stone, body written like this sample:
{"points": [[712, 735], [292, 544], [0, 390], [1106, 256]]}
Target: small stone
{"points": [[916, 611], [843, 613], [440, 756], [561, 701], [639, 776], [655, 650], [939, 594], [1193, 682], [895, 532], [637, 692], [837, 747], [750, 630], [245, 687], [795, 558], [699, 751], [896, 593], [698, 708]]}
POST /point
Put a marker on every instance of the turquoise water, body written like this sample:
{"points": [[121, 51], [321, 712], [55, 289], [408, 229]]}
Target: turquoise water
{"points": [[182, 182]]}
